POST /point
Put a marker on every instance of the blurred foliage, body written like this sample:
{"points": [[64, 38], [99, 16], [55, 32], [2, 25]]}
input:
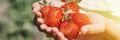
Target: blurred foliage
{"points": [[20, 21]]}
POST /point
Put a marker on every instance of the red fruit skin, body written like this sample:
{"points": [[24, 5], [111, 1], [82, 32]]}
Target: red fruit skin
{"points": [[71, 6], [44, 10], [54, 17], [69, 29], [80, 19]]}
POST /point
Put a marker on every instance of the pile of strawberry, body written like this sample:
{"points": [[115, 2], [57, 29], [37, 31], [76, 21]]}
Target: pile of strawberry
{"points": [[67, 18]]}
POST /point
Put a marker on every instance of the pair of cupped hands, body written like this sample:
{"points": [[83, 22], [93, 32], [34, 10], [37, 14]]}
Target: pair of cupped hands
{"points": [[99, 24]]}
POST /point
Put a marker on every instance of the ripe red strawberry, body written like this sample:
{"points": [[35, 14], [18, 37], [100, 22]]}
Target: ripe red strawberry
{"points": [[44, 10], [54, 17], [69, 29], [71, 6], [80, 19]]}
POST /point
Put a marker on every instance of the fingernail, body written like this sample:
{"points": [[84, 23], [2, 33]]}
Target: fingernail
{"points": [[38, 14], [84, 30], [60, 34], [40, 20], [48, 29], [43, 26], [55, 29]]}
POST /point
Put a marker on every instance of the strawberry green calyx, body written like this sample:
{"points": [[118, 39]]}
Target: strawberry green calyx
{"points": [[45, 3]]}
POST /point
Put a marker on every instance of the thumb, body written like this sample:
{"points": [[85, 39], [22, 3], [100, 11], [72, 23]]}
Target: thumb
{"points": [[93, 28]]}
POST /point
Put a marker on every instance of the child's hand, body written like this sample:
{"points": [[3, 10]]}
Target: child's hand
{"points": [[99, 24]]}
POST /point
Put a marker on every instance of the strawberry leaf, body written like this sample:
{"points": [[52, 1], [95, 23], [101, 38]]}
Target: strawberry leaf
{"points": [[44, 1], [41, 3]]}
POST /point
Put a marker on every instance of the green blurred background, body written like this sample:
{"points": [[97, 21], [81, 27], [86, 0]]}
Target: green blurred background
{"points": [[16, 21]]}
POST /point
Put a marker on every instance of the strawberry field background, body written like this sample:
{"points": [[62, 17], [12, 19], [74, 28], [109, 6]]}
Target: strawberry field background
{"points": [[16, 21]]}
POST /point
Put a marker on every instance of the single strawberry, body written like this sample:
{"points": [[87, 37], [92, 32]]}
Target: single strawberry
{"points": [[54, 17], [44, 10], [69, 29], [71, 6], [80, 19]]}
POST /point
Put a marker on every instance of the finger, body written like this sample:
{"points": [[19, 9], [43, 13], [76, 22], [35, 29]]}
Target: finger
{"points": [[93, 28], [40, 21], [43, 26], [54, 30], [38, 14], [95, 18], [36, 7], [97, 24], [61, 36], [58, 34], [48, 29]]}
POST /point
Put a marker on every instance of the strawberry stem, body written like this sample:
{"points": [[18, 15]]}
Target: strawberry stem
{"points": [[45, 3], [41, 3], [66, 16]]}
